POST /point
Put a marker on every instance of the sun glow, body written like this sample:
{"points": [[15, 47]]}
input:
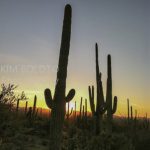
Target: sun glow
{"points": [[71, 106]]}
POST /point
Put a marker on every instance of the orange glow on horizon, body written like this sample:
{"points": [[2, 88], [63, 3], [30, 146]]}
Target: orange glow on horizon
{"points": [[121, 110]]}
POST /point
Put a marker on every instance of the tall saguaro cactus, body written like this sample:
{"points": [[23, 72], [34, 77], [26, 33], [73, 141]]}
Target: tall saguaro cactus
{"points": [[58, 102], [100, 108], [110, 109]]}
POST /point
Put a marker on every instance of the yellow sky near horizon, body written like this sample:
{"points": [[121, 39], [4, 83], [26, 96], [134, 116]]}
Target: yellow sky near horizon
{"points": [[30, 42], [141, 108]]}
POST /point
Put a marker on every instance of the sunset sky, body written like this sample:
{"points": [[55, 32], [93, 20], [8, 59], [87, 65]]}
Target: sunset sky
{"points": [[30, 35]]}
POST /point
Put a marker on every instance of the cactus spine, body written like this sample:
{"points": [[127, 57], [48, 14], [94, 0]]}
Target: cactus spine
{"points": [[110, 110], [58, 102], [101, 106]]}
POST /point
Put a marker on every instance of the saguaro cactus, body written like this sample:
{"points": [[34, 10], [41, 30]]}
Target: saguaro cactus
{"points": [[80, 109], [26, 107], [131, 113], [85, 108], [34, 105], [20, 98], [128, 109], [58, 102], [69, 113], [100, 106], [110, 110], [75, 111]]}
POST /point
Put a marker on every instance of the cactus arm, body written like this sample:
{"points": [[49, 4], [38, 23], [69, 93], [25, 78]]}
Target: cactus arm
{"points": [[70, 95], [91, 98], [48, 98], [114, 105]]}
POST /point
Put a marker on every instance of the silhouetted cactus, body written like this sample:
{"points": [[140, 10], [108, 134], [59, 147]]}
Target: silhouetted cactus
{"points": [[75, 110], [58, 102], [86, 108], [110, 110], [128, 109], [131, 113], [80, 115], [34, 105], [100, 108], [83, 112], [69, 113], [19, 98], [17, 107], [26, 107]]}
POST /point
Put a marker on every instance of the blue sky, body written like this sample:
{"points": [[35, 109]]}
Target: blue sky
{"points": [[30, 35]]}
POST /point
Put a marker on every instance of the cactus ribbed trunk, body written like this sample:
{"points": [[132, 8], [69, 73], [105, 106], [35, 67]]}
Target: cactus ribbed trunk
{"points": [[56, 125], [58, 112], [97, 114], [111, 109], [58, 102], [109, 95]]}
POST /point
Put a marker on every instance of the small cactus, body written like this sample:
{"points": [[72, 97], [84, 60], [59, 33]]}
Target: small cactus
{"points": [[75, 111], [80, 116], [26, 107], [34, 105], [131, 113], [68, 114], [20, 98], [128, 109], [85, 108]]}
